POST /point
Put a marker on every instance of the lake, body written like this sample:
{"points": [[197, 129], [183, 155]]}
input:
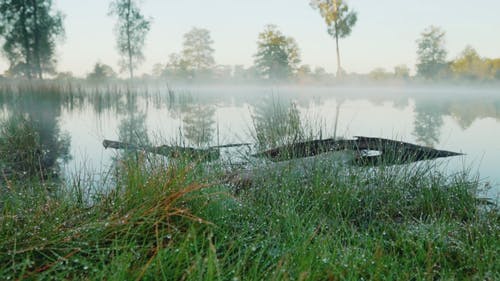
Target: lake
{"points": [[457, 118]]}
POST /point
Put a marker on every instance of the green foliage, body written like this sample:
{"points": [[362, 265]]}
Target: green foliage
{"points": [[101, 72], [401, 71], [177, 67], [197, 52], [20, 148], [339, 20], [379, 74], [32, 124], [277, 56], [131, 30], [195, 61], [494, 68], [168, 223], [30, 30], [431, 53], [56, 235], [276, 124], [470, 66], [304, 73]]}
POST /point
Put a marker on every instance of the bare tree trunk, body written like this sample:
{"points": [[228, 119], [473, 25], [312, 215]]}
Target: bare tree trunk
{"points": [[26, 43], [36, 49], [336, 11], [339, 68], [129, 45]]}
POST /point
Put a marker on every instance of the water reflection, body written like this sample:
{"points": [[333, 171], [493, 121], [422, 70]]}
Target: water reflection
{"points": [[133, 129], [428, 122], [276, 123], [198, 124], [41, 110], [273, 121], [465, 113]]}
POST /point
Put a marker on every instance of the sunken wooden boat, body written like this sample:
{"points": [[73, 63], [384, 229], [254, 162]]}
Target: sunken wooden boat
{"points": [[302, 157], [367, 151]]}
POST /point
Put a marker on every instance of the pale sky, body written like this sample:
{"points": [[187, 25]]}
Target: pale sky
{"points": [[384, 35]]}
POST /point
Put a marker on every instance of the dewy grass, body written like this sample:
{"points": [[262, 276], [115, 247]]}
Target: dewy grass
{"points": [[170, 223], [54, 234], [20, 148]]}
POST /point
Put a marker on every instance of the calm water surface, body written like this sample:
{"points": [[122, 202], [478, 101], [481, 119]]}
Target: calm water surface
{"points": [[458, 119]]}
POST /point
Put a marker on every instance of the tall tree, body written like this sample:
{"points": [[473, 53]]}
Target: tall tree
{"points": [[277, 55], [431, 53], [101, 72], [131, 30], [402, 71], [339, 20], [197, 50], [30, 29]]}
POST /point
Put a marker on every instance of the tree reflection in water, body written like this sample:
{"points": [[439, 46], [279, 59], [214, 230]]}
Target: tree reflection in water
{"points": [[41, 110], [198, 124], [428, 122]]}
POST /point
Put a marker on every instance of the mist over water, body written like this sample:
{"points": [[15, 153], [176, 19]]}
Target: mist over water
{"points": [[461, 119]]}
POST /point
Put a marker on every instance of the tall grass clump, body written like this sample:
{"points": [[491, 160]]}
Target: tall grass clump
{"points": [[276, 124], [20, 148], [55, 235]]}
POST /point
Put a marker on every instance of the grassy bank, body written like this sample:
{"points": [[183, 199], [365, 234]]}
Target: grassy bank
{"points": [[178, 223]]}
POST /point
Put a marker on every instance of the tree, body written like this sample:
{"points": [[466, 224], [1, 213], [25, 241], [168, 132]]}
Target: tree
{"points": [[64, 76], [469, 65], [177, 67], [304, 74], [320, 74], [197, 51], [158, 69], [30, 29], [339, 21], [101, 72], [494, 68], [277, 55], [379, 73], [402, 71], [131, 30], [431, 53]]}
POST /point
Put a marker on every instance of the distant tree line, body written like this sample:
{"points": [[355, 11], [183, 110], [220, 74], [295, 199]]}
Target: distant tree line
{"points": [[277, 59], [433, 65], [31, 29]]}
